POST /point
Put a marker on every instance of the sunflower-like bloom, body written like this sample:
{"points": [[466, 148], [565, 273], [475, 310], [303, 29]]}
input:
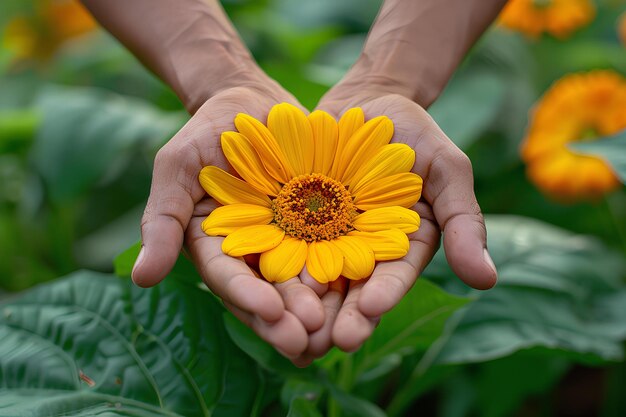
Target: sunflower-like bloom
{"points": [[332, 196], [578, 107], [53, 22], [557, 17]]}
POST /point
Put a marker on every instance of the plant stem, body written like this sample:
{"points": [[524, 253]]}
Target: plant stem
{"points": [[345, 380], [416, 383]]}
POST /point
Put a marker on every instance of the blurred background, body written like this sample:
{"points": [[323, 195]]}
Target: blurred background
{"points": [[81, 120]]}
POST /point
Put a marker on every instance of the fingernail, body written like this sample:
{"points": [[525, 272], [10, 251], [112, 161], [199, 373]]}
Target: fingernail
{"points": [[137, 263], [490, 262]]}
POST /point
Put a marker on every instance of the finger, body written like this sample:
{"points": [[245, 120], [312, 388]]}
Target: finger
{"points": [[391, 280], [303, 303], [302, 361], [230, 278], [287, 334], [204, 207], [448, 187], [175, 190], [352, 328], [321, 341], [306, 278], [451, 193]]}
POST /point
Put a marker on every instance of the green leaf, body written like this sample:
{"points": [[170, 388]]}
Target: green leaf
{"points": [[612, 149], [124, 262], [301, 407], [91, 136], [309, 389], [557, 291], [533, 375], [262, 352], [30, 402], [413, 325], [352, 406], [17, 128], [93, 340], [468, 106]]}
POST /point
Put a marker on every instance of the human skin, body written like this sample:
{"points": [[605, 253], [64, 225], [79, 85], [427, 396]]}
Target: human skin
{"points": [[410, 54], [412, 50]]}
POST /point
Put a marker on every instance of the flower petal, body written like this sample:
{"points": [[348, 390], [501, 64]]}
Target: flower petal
{"points": [[227, 189], [324, 261], [386, 244], [252, 239], [273, 158], [349, 123], [325, 137], [294, 135], [364, 144], [285, 261], [244, 158], [225, 220], [402, 190], [389, 160], [358, 257], [386, 218]]}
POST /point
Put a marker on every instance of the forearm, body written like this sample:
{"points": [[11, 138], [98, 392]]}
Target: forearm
{"points": [[189, 44], [414, 46]]}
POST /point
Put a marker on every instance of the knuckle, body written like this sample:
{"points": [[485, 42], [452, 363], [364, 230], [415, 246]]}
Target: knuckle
{"points": [[163, 155], [185, 152], [190, 164], [449, 161], [474, 210], [462, 161], [396, 283]]}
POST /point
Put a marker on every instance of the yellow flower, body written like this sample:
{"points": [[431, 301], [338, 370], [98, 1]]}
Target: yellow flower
{"points": [[578, 107], [557, 17], [39, 35], [335, 197]]}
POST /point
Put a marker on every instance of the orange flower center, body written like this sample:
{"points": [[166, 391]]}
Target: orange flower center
{"points": [[314, 207]]}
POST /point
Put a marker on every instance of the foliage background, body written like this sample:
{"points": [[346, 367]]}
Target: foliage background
{"points": [[78, 132]]}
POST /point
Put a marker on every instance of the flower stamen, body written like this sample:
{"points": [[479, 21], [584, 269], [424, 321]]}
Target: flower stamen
{"points": [[314, 207]]}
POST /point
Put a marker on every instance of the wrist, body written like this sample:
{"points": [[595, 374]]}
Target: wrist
{"points": [[414, 46], [189, 44], [207, 68], [390, 72]]}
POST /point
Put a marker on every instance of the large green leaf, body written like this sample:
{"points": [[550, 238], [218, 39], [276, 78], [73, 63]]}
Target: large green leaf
{"points": [[612, 149], [263, 353], [96, 342], [557, 291], [89, 134], [413, 325]]}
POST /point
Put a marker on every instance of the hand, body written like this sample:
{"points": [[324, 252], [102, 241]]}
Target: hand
{"points": [[282, 314], [448, 204]]}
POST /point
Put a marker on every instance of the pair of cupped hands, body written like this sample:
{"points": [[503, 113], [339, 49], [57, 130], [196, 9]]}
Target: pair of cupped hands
{"points": [[302, 318]]}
